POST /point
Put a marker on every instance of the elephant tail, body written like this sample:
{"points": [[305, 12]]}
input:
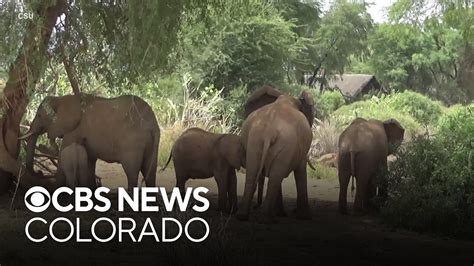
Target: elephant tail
{"points": [[266, 146], [352, 154], [168, 162]]}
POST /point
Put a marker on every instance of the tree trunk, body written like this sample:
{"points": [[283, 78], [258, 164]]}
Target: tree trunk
{"points": [[71, 73], [23, 75]]}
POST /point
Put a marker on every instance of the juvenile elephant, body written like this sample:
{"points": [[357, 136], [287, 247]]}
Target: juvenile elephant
{"points": [[199, 154], [362, 153], [75, 165], [276, 136], [122, 129]]}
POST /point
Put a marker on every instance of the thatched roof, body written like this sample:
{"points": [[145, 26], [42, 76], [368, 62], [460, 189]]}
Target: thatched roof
{"points": [[351, 85]]}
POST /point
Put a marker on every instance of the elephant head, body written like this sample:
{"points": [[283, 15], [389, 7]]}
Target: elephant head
{"points": [[395, 133], [268, 94], [230, 148], [56, 116]]}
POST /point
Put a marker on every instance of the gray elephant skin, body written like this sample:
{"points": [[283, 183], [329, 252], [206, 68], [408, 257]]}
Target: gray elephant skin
{"points": [[198, 154], [362, 153], [122, 130], [74, 164], [276, 136]]}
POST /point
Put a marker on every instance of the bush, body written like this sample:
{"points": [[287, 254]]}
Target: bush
{"points": [[374, 108], [424, 110], [431, 184], [234, 104], [328, 102], [456, 127]]}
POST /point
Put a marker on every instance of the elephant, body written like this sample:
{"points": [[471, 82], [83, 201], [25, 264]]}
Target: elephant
{"points": [[75, 165], [362, 153], [261, 184], [122, 129], [276, 136], [200, 154]]}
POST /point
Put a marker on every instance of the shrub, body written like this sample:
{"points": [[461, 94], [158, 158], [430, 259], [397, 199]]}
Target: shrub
{"points": [[328, 102], [234, 106], [424, 110], [374, 108], [456, 127], [431, 184]]}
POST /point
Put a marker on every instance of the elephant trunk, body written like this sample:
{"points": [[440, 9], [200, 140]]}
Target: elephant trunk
{"points": [[30, 151]]}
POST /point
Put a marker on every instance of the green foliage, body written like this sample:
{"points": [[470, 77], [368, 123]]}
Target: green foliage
{"points": [[234, 105], [392, 49], [431, 187], [375, 108], [426, 47], [238, 45], [411, 109], [424, 110], [456, 128], [342, 34], [328, 102]]}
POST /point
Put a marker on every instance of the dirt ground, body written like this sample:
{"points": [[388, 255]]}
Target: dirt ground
{"points": [[328, 239]]}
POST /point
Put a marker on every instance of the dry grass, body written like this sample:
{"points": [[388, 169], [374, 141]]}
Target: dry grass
{"points": [[325, 138], [206, 111]]}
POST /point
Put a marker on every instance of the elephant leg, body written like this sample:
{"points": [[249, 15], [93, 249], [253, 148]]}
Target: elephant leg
{"points": [[222, 185], [360, 201], [249, 191], [181, 179], [261, 184], [302, 203], [148, 170], [131, 170], [273, 191], [344, 177], [232, 190], [60, 177], [280, 209], [371, 191], [93, 182]]}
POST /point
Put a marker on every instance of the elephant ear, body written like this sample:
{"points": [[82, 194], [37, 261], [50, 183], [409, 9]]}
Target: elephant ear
{"points": [[261, 97], [230, 148], [307, 106], [66, 114], [395, 133]]}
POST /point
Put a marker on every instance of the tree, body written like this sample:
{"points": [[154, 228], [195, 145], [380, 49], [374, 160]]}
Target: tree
{"points": [[343, 33], [120, 42], [427, 46], [237, 45], [393, 47]]}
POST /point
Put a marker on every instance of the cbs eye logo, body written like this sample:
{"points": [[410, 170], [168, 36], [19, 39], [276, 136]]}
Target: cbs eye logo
{"points": [[37, 199]]}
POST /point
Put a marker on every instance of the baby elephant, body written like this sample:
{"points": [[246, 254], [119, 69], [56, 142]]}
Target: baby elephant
{"points": [[74, 164], [199, 154]]}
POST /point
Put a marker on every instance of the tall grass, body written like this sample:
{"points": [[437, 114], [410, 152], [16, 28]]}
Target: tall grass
{"points": [[199, 107], [325, 138]]}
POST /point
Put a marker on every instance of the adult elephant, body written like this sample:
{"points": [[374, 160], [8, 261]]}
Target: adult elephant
{"points": [[362, 153], [199, 154], [122, 129], [276, 136]]}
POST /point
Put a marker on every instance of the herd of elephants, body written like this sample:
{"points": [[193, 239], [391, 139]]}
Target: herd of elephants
{"points": [[274, 141]]}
